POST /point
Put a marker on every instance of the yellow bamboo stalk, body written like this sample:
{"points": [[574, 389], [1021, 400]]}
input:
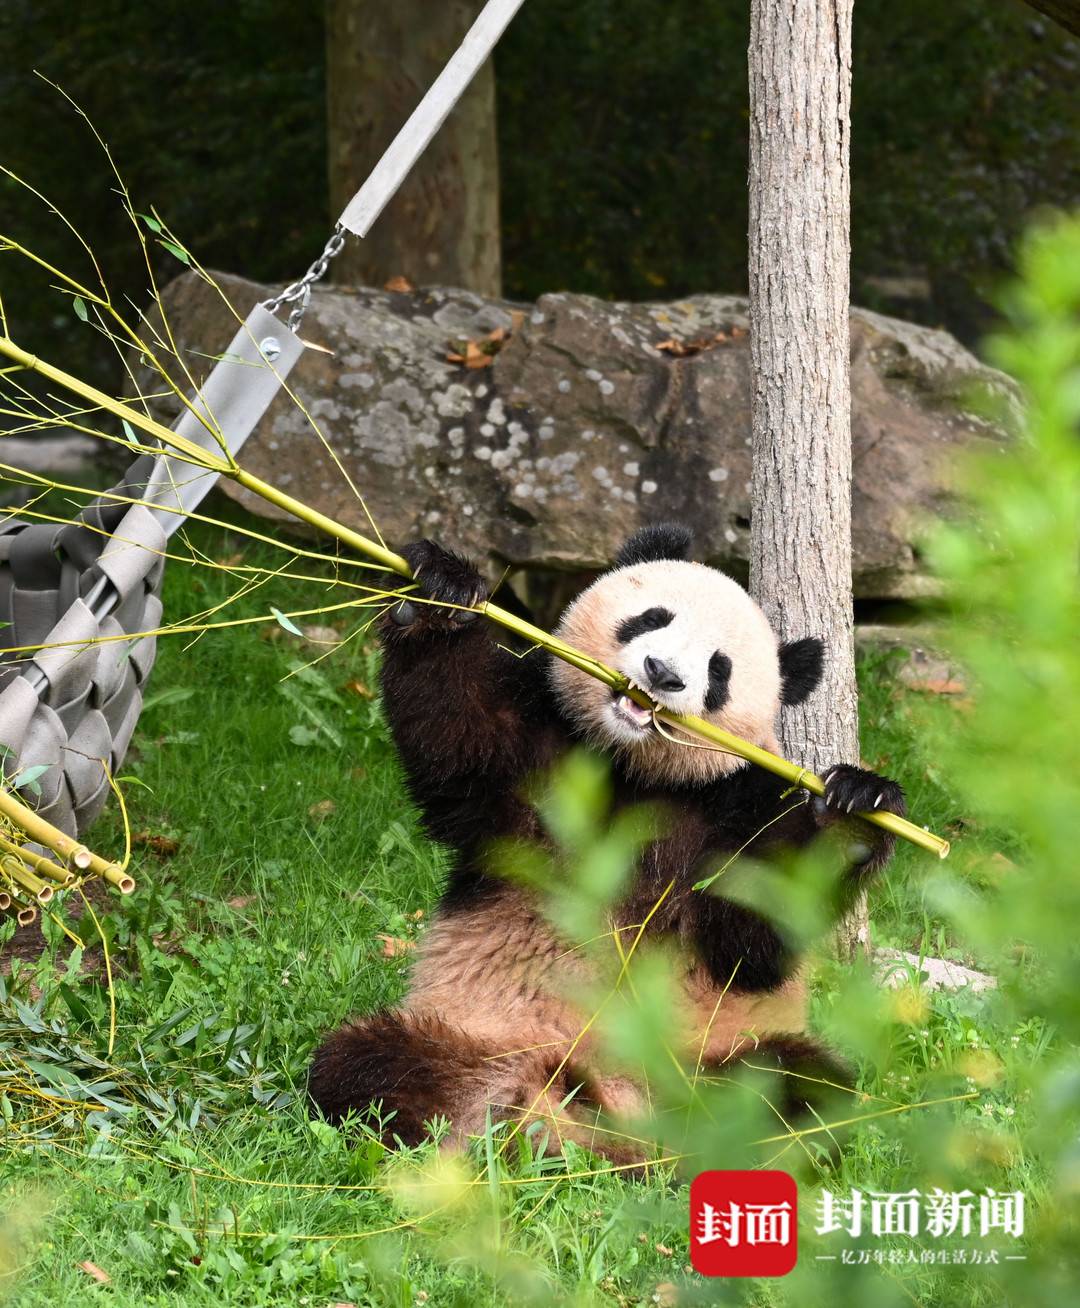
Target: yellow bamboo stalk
{"points": [[21, 877], [43, 866], [115, 875], [75, 855], [23, 914], [695, 726], [42, 832]]}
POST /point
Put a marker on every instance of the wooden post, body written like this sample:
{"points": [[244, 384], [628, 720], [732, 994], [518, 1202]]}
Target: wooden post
{"points": [[800, 560]]}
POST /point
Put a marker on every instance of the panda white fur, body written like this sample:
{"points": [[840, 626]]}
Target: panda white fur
{"points": [[487, 1024]]}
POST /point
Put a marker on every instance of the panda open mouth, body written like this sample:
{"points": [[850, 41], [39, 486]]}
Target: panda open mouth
{"points": [[632, 714]]}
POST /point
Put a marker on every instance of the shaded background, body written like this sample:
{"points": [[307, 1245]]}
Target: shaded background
{"points": [[622, 136]]}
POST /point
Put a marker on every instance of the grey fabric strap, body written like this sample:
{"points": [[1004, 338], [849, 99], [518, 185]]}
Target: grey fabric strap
{"points": [[237, 393], [75, 704]]}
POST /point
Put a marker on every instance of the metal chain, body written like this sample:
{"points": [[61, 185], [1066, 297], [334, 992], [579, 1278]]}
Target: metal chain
{"points": [[299, 293]]}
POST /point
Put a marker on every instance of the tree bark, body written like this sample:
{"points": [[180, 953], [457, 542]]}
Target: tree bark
{"points": [[1064, 12], [442, 227], [800, 560]]}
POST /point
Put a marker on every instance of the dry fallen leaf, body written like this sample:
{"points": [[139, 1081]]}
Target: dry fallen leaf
{"points": [[359, 688], [394, 946], [685, 349], [939, 686], [475, 357], [159, 846], [481, 353], [398, 283], [92, 1269], [241, 901], [663, 1249], [321, 810], [666, 1294], [318, 634]]}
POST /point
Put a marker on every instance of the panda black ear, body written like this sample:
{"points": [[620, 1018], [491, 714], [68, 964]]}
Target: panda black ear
{"points": [[801, 665], [662, 540]]}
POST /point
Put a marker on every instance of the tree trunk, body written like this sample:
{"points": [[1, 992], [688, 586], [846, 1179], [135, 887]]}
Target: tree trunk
{"points": [[1065, 12], [442, 227], [800, 548]]}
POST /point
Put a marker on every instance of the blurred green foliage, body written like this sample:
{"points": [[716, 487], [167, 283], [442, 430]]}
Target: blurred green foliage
{"points": [[623, 139]]}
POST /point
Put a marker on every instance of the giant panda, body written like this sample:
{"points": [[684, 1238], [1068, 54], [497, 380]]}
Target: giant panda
{"points": [[488, 1024]]}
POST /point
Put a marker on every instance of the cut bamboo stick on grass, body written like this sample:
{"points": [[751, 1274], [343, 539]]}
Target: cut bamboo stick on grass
{"points": [[42, 832], [20, 875], [115, 875], [23, 914], [694, 726], [75, 855]]}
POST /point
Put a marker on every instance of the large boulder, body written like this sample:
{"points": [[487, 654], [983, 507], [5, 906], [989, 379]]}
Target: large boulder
{"points": [[590, 419]]}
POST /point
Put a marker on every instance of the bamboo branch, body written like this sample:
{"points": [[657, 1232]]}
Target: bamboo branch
{"points": [[23, 914], [75, 855], [695, 726], [21, 878], [43, 866]]}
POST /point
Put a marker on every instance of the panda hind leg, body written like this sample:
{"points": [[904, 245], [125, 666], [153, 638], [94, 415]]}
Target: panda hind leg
{"points": [[416, 1067]]}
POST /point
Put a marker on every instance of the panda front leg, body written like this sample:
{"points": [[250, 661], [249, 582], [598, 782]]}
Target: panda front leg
{"points": [[852, 790], [457, 701], [442, 579]]}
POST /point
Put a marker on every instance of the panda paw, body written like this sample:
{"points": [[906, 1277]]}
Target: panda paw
{"points": [[851, 790], [856, 790], [443, 577]]}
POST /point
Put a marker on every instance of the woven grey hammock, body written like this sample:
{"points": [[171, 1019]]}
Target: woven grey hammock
{"points": [[76, 591]]}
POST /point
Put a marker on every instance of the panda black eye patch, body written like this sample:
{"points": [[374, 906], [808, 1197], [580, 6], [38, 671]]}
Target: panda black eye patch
{"points": [[650, 620], [719, 682]]}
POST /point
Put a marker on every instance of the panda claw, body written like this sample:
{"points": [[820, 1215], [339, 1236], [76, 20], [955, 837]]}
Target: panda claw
{"points": [[877, 801]]}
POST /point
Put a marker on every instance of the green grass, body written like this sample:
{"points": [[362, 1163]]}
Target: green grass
{"points": [[208, 1184]]}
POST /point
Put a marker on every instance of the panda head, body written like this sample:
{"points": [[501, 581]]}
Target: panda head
{"points": [[693, 640]]}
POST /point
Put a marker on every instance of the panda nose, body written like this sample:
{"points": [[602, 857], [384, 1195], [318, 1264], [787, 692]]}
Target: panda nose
{"points": [[661, 677]]}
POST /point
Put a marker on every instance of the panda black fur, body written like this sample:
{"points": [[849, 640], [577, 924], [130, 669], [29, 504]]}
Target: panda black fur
{"points": [[487, 1023]]}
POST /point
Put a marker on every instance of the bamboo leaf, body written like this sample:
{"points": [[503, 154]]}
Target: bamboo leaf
{"points": [[286, 622], [177, 252], [27, 778], [174, 695], [79, 305]]}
